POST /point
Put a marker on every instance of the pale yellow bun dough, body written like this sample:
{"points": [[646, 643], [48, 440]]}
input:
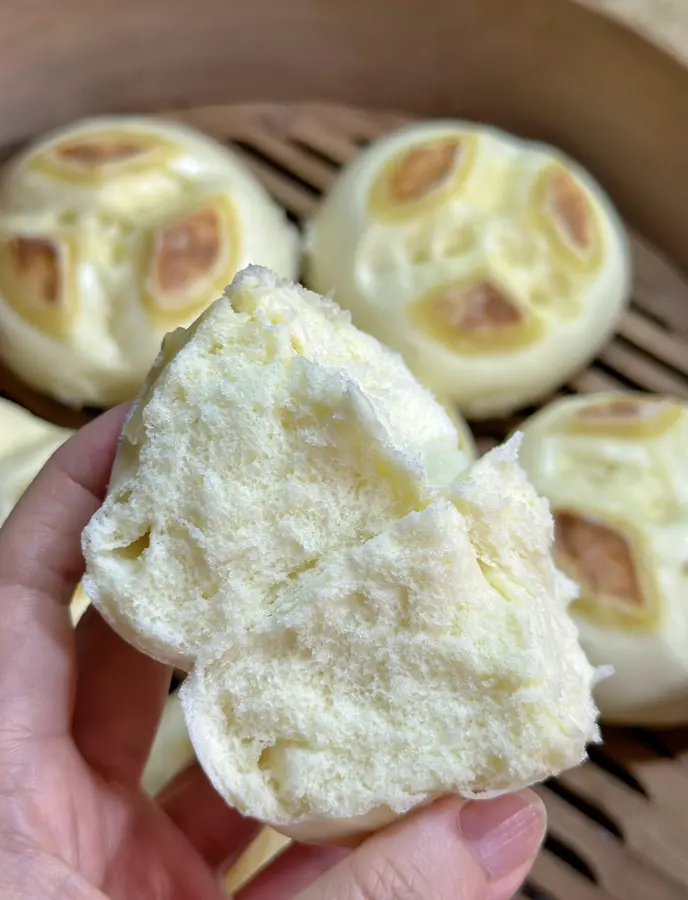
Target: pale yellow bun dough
{"points": [[114, 231], [498, 267], [615, 470], [364, 630], [170, 755]]}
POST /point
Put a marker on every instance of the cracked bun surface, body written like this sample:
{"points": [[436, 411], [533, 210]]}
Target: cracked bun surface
{"points": [[114, 231], [613, 467], [367, 622], [498, 267]]}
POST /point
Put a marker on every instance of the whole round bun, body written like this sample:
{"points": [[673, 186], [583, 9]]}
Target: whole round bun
{"points": [[113, 231], [498, 267], [614, 468], [367, 622]]}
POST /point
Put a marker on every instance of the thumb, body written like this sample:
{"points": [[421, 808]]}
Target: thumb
{"points": [[451, 850]]}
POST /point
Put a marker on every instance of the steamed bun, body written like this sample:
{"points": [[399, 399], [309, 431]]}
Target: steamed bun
{"points": [[613, 467], [112, 232], [497, 266], [367, 622]]}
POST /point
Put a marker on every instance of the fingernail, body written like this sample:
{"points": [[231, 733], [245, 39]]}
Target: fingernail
{"points": [[504, 833]]}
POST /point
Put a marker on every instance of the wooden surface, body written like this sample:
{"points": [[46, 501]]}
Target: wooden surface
{"points": [[618, 825], [266, 847]]}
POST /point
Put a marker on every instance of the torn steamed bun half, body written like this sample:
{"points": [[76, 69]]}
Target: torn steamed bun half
{"points": [[368, 622], [269, 434]]}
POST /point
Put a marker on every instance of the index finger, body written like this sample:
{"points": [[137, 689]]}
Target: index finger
{"points": [[40, 543], [40, 563]]}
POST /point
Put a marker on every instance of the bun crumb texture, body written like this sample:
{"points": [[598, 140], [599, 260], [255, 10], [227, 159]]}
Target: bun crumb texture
{"points": [[368, 621]]}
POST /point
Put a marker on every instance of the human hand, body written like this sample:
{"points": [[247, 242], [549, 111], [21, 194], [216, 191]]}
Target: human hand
{"points": [[78, 712]]}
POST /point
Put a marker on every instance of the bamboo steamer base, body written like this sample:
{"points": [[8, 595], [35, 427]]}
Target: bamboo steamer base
{"points": [[618, 826]]}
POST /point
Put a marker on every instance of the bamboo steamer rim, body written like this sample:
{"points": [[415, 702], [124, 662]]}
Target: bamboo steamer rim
{"points": [[552, 69]]}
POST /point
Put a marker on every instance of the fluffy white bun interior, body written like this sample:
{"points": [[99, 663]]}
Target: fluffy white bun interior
{"points": [[367, 623]]}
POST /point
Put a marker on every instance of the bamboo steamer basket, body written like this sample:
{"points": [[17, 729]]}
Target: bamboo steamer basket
{"points": [[297, 87]]}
